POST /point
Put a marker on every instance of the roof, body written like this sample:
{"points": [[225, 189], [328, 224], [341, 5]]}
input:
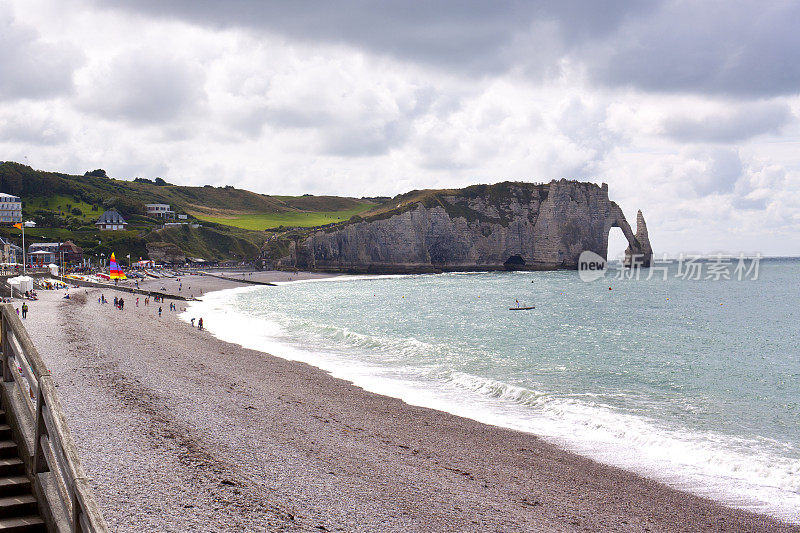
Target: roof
{"points": [[71, 247], [111, 217], [156, 205], [4, 196]]}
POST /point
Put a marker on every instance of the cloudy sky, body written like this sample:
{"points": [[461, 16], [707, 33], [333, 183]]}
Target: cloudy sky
{"points": [[690, 111]]}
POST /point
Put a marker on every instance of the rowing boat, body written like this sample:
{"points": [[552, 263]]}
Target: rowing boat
{"points": [[521, 308]]}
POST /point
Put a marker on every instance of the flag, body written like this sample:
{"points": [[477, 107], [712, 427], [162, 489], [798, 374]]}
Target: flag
{"points": [[18, 226], [114, 271]]}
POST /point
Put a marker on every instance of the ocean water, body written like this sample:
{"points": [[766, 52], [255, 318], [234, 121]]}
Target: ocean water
{"points": [[692, 382]]}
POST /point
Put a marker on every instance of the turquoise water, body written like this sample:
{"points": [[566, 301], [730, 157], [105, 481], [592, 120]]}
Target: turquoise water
{"points": [[696, 383]]}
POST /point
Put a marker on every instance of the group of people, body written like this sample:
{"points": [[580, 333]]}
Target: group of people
{"points": [[199, 323]]}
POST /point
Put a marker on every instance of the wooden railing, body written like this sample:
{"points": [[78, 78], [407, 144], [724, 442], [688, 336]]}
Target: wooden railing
{"points": [[66, 500]]}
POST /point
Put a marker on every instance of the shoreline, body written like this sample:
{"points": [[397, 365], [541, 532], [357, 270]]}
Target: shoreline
{"points": [[365, 377], [306, 449]]}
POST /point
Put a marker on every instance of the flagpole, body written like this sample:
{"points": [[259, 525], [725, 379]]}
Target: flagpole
{"points": [[23, 247]]}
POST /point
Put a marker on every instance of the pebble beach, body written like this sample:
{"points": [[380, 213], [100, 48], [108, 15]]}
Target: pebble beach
{"points": [[179, 431]]}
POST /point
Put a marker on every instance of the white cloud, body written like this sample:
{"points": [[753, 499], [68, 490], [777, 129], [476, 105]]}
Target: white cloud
{"points": [[276, 106]]}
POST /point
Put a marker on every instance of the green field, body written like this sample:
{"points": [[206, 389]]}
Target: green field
{"points": [[263, 221], [63, 205]]}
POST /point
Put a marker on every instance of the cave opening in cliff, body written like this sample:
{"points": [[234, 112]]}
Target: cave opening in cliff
{"points": [[515, 262]]}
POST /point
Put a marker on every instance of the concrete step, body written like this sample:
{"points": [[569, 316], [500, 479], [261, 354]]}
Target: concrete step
{"points": [[20, 505], [22, 524], [8, 448], [2, 417], [11, 466], [5, 432], [11, 486]]}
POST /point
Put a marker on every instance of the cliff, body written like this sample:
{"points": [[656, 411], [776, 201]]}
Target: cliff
{"points": [[484, 227]]}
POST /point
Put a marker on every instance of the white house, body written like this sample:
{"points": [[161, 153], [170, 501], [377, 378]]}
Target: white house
{"points": [[111, 220], [10, 209], [159, 210]]}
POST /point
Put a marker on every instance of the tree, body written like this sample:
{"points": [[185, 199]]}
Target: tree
{"points": [[160, 182], [97, 173]]}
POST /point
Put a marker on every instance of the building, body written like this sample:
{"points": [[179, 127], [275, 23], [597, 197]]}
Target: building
{"points": [[71, 252], [9, 253], [51, 247], [183, 217], [159, 210], [43, 253], [111, 221], [10, 209]]}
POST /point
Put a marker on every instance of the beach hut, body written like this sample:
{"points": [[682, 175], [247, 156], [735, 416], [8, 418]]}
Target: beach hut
{"points": [[21, 284]]}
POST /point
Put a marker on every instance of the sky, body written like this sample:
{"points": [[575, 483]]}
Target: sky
{"points": [[690, 111]]}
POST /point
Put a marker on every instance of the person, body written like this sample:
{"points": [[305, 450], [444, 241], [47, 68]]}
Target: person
{"points": [[200, 323], [159, 311], [24, 310], [121, 304], [192, 321], [137, 301], [116, 302], [517, 303], [66, 296], [18, 314]]}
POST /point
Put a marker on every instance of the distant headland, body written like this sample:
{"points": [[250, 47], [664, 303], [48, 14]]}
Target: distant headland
{"points": [[505, 226]]}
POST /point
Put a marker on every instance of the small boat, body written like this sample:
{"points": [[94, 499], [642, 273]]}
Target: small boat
{"points": [[521, 308]]}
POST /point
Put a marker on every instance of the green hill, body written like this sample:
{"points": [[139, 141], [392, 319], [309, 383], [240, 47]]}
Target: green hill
{"points": [[233, 220]]}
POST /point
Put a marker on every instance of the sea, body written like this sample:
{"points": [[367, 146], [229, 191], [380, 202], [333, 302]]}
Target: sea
{"points": [[693, 380]]}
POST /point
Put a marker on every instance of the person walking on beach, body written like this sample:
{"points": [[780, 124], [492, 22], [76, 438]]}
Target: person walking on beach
{"points": [[159, 312], [121, 304], [137, 301], [25, 310], [200, 323], [192, 321]]}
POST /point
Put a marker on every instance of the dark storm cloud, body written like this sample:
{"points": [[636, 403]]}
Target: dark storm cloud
{"points": [[469, 35], [734, 48], [737, 48], [738, 124], [31, 68]]}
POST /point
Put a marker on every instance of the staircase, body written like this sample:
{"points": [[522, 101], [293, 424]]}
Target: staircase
{"points": [[18, 508]]}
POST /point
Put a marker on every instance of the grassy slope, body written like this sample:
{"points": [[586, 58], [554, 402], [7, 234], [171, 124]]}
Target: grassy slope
{"points": [[235, 218], [302, 219], [38, 188]]}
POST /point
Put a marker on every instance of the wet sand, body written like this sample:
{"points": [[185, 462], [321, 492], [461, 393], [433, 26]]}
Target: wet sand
{"points": [[179, 431]]}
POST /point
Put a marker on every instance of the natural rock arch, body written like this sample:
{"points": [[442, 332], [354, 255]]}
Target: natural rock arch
{"points": [[639, 251]]}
